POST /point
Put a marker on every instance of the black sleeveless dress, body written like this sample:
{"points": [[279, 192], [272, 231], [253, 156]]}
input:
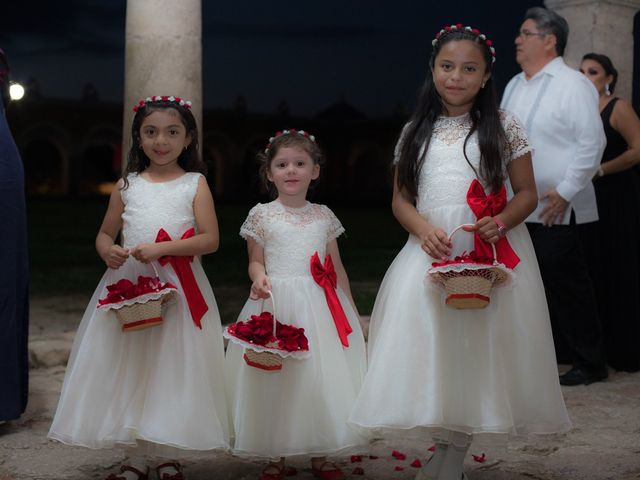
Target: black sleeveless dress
{"points": [[613, 253], [14, 274]]}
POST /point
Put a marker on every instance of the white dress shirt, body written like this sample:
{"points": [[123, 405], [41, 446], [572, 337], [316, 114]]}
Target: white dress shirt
{"points": [[558, 107]]}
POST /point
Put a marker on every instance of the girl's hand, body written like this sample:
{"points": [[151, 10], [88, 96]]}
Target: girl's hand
{"points": [[147, 252], [116, 256], [260, 288], [436, 243], [487, 229]]}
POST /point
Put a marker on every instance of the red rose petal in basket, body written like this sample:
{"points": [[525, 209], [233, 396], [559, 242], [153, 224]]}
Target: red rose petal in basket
{"points": [[356, 458], [357, 471], [399, 469], [398, 455], [479, 458], [416, 463]]}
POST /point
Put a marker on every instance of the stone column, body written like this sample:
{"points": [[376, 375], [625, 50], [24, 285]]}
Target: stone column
{"points": [[601, 26], [163, 56]]}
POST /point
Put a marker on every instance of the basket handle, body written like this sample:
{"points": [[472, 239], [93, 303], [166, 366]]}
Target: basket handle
{"points": [[461, 227], [273, 302]]}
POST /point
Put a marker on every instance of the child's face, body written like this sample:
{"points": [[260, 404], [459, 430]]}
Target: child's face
{"points": [[459, 72], [163, 137], [291, 171]]}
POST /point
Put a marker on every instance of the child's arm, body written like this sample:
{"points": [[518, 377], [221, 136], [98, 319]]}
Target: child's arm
{"points": [[435, 241], [524, 201], [206, 241], [261, 285], [343, 279], [112, 254]]}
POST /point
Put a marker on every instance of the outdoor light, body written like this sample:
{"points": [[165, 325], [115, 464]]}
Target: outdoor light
{"points": [[16, 91]]}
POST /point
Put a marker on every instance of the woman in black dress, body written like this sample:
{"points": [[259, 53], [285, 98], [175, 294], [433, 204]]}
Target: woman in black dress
{"points": [[14, 270], [613, 247]]}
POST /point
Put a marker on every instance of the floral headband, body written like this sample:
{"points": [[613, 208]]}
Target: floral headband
{"points": [[291, 131], [162, 98], [461, 28]]}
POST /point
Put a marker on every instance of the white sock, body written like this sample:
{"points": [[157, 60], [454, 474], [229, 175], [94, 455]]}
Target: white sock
{"points": [[432, 467], [453, 461]]}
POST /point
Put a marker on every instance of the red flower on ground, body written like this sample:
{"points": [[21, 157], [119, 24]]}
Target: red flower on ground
{"points": [[398, 455], [416, 463], [479, 458], [356, 458]]}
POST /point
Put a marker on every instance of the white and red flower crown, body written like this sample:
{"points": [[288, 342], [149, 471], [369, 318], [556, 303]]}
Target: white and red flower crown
{"points": [[461, 28], [162, 98], [291, 131]]}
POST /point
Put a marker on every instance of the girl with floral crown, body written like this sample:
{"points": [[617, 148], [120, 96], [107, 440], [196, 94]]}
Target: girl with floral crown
{"points": [[300, 407], [157, 392], [457, 375]]}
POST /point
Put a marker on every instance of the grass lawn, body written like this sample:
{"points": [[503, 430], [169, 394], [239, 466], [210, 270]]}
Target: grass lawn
{"points": [[64, 261]]}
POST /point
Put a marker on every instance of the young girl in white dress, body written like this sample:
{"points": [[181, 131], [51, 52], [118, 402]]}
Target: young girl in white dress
{"points": [[474, 374], [159, 390], [302, 409]]}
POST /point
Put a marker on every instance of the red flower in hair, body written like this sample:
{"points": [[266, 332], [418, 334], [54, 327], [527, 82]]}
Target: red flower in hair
{"points": [[459, 25], [488, 42], [476, 31]]}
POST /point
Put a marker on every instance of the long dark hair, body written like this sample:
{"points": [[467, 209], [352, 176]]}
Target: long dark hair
{"points": [[189, 160], [607, 65], [485, 117]]}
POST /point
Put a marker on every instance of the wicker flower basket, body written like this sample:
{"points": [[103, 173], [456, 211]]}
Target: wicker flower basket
{"points": [[137, 305], [263, 339], [468, 280]]}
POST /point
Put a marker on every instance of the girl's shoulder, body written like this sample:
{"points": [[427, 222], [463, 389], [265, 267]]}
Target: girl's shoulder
{"points": [[517, 140]]}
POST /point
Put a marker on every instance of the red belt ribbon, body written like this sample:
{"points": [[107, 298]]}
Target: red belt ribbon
{"points": [[325, 276], [197, 305], [484, 205]]}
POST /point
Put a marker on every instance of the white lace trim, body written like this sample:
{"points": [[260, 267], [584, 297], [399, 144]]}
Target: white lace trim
{"points": [[298, 354], [433, 279], [140, 299]]}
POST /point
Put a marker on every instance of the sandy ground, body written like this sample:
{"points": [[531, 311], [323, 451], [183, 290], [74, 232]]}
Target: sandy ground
{"points": [[604, 443]]}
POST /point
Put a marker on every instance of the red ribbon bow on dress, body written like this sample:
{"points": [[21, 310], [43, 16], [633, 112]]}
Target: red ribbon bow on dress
{"points": [[197, 305], [484, 205], [325, 276]]}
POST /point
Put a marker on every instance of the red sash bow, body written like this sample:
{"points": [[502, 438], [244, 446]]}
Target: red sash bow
{"points": [[197, 305], [484, 205], [325, 276]]}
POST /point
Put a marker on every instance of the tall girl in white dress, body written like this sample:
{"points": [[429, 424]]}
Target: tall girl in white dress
{"points": [[302, 409], [458, 375], [160, 390]]}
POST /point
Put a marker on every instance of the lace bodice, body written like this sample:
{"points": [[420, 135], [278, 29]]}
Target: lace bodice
{"points": [[150, 206], [290, 236], [445, 176]]}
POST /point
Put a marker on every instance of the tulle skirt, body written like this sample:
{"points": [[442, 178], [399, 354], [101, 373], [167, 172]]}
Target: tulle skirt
{"points": [[433, 369], [163, 385], [303, 408]]}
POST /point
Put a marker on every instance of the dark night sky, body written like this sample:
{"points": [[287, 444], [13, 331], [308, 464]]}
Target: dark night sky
{"points": [[372, 54]]}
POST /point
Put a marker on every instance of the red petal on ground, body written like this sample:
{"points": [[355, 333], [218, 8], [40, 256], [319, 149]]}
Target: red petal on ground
{"points": [[416, 463], [479, 458]]}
